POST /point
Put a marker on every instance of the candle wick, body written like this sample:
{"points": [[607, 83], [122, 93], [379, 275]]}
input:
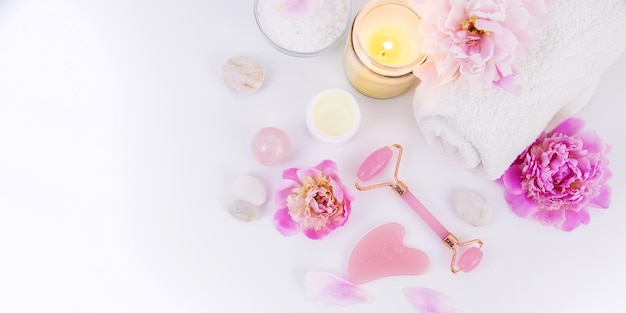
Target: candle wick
{"points": [[387, 45]]}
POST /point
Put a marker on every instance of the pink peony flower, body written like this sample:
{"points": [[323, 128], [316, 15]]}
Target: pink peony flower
{"points": [[559, 176], [478, 39], [312, 200]]}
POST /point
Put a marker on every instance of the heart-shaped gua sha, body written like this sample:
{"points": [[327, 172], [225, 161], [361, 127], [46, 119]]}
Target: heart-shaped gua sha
{"points": [[381, 253]]}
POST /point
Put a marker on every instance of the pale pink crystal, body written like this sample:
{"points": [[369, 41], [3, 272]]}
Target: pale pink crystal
{"points": [[271, 146], [430, 301], [381, 253], [470, 259], [330, 289], [374, 163]]}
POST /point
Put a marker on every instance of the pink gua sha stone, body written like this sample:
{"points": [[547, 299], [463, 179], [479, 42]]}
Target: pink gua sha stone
{"points": [[380, 253]]}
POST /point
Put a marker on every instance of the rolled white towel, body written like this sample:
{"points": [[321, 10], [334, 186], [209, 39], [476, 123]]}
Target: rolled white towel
{"points": [[484, 130]]}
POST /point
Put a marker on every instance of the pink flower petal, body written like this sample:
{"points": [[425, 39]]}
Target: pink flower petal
{"points": [[512, 180], [430, 301], [518, 19], [337, 190], [488, 25], [327, 167], [427, 73], [573, 219], [455, 14], [284, 223], [299, 7], [447, 70], [569, 127], [284, 189], [330, 289], [603, 200], [308, 172], [320, 233], [509, 84], [521, 205], [550, 217], [291, 174], [592, 142]]}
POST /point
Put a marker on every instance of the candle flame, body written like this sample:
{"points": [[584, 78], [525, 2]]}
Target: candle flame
{"points": [[387, 45]]}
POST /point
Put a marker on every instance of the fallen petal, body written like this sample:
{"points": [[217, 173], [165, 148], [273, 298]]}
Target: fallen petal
{"points": [[430, 301], [331, 289]]}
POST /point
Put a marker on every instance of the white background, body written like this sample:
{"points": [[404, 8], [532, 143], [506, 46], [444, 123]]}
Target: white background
{"points": [[118, 140]]}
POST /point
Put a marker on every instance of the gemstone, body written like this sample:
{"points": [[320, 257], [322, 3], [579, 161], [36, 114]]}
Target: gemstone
{"points": [[243, 74], [472, 207], [243, 210], [249, 188], [381, 253], [470, 259], [374, 163], [270, 146]]}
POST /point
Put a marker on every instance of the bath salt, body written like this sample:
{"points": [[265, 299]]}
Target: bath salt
{"points": [[303, 26]]}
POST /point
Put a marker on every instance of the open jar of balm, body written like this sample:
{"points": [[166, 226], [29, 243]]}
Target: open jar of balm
{"points": [[303, 28], [383, 48], [333, 116]]}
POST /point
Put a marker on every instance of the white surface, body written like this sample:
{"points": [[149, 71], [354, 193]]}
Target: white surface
{"points": [[119, 138]]}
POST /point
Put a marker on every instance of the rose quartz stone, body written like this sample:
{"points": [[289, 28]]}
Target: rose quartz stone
{"points": [[381, 253], [270, 146], [374, 163], [470, 259]]}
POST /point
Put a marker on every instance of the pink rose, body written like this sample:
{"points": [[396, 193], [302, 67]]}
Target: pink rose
{"points": [[477, 39], [312, 200], [561, 175]]}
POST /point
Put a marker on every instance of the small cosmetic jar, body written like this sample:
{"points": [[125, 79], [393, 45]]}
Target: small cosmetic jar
{"points": [[333, 116]]}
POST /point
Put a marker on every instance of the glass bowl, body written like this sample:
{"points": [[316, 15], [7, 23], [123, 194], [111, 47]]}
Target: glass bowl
{"points": [[303, 28]]}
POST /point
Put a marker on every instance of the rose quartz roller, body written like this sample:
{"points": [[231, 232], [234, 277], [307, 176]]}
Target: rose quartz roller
{"points": [[374, 164]]}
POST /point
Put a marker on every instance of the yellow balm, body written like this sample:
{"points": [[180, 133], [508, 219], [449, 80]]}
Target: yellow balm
{"points": [[333, 115]]}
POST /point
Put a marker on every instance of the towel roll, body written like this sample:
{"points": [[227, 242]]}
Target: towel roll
{"points": [[484, 130]]}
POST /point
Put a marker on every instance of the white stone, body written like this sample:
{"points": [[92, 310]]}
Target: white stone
{"points": [[249, 188], [472, 207], [243, 210], [243, 74]]}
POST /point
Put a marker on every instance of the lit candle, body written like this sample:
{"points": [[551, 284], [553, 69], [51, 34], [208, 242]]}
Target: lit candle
{"points": [[333, 116], [383, 48]]}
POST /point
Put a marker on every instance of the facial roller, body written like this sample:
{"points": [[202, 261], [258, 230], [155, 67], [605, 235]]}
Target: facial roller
{"points": [[374, 164]]}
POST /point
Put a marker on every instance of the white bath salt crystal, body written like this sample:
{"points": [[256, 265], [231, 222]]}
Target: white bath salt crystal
{"points": [[303, 27], [243, 74], [243, 210], [472, 207], [249, 188]]}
